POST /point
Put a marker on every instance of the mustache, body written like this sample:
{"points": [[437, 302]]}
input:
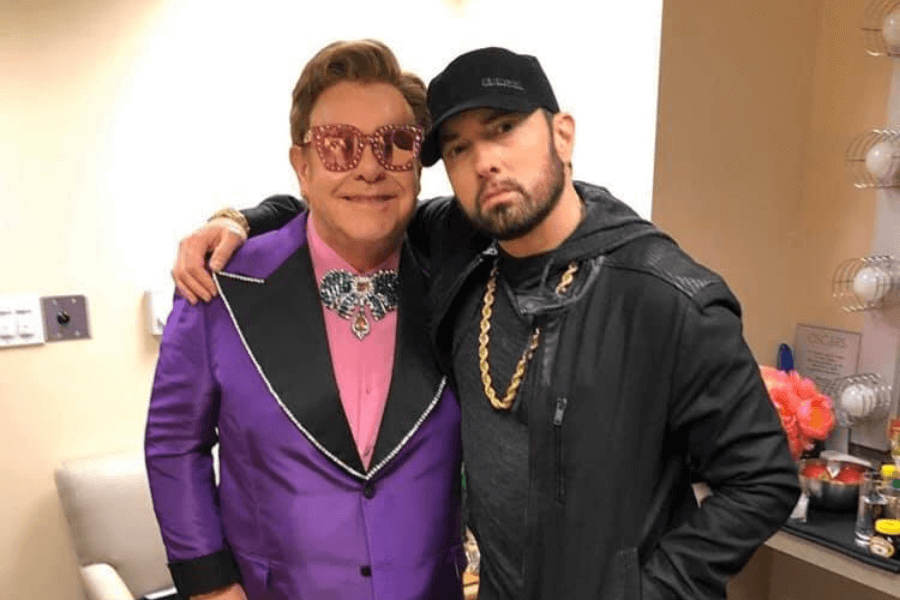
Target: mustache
{"points": [[492, 187]]}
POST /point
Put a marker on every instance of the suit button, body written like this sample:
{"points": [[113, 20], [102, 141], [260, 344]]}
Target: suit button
{"points": [[365, 571], [369, 492]]}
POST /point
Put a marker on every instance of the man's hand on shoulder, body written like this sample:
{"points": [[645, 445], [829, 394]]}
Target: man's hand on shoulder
{"points": [[219, 239], [232, 592]]}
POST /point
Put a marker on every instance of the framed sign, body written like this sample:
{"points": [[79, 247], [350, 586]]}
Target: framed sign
{"points": [[823, 354]]}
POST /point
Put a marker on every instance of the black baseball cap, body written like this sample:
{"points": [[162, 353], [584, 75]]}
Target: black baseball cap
{"points": [[485, 78]]}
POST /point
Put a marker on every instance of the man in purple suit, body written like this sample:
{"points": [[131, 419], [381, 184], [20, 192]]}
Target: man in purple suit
{"points": [[312, 370]]}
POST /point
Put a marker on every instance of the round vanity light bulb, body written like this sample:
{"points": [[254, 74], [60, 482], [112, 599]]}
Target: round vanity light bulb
{"points": [[880, 161], [857, 400], [869, 285], [890, 30]]}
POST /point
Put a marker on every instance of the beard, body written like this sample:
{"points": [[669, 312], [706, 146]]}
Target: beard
{"points": [[509, 221]]}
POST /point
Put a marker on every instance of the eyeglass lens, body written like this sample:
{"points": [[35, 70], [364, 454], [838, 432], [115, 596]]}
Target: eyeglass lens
{"points": [[393, 148]]}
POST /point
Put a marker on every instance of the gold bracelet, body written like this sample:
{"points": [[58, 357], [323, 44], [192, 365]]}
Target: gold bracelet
{"points": [[233, 215]]}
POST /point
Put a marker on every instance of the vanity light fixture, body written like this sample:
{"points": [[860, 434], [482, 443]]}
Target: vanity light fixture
{"points": [[859, 398], [881, 25], [867, 283], [873, 159]]}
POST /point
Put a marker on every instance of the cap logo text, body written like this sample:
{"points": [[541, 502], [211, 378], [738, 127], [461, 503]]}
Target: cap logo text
{"points": [[501, 82]]}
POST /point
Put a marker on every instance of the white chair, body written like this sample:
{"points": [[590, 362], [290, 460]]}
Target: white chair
{"points": [[107, 503]]}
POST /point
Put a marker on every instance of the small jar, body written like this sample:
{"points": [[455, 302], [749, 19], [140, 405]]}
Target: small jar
{"points": [[894, 439], [890, 489], [885, 542]]}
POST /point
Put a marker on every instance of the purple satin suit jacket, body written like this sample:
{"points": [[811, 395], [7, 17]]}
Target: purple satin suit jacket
{"points": [[295, 515]]}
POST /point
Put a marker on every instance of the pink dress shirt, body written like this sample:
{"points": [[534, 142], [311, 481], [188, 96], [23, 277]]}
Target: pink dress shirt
{"points": [[363, 367]]}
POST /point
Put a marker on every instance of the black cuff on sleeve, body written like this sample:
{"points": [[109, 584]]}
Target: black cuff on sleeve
{"points": [[272, 213], [204, 574], [255, 219]]}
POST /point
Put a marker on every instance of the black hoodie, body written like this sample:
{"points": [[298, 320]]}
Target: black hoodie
{"points": [[497, 440], [642, 383]]}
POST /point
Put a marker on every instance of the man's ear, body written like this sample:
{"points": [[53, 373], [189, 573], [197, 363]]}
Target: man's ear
{"points": [[301, 166], [564, 136]]}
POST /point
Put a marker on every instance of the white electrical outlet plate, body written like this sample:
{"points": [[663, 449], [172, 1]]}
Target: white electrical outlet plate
{"points": [[21, 322], [159, 305]]}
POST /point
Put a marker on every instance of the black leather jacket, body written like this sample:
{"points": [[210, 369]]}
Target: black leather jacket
{"points": [[645, 385]]}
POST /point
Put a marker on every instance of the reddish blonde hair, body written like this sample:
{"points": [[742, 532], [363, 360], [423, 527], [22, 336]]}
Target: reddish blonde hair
{"points": [[367, 61]]}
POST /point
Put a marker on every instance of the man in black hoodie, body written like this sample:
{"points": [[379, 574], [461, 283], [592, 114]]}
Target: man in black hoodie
{"points": [[600, 370]]}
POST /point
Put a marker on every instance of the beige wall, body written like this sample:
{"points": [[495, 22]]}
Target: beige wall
{"points": [[60, 63], [758, 102], [735, 94]]}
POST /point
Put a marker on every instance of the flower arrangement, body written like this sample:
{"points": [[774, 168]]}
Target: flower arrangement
{"points": [[805, 413]]}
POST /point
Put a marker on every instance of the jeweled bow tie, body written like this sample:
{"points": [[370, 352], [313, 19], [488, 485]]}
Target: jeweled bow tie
{"points": [[348, 295]]}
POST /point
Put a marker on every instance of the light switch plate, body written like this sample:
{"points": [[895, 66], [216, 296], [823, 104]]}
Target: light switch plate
{"points": [[21, 322], [65, 318]]}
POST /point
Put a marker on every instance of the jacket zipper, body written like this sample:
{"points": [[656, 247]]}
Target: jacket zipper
{"points": [[558, 415]]}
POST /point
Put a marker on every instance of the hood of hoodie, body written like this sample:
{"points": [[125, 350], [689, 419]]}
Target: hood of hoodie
{"points": [[608, 224]]}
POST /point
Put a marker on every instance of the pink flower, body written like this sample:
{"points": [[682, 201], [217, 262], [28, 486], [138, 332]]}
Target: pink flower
{"points": [[795, 438], [772, 377], [805, 414]]}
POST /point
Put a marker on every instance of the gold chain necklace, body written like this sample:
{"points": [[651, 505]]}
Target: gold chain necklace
{"points": [[484, 338]]}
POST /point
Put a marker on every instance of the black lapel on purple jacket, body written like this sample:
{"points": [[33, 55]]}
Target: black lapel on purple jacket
{"points": [[415, 379], [281, 323]]}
